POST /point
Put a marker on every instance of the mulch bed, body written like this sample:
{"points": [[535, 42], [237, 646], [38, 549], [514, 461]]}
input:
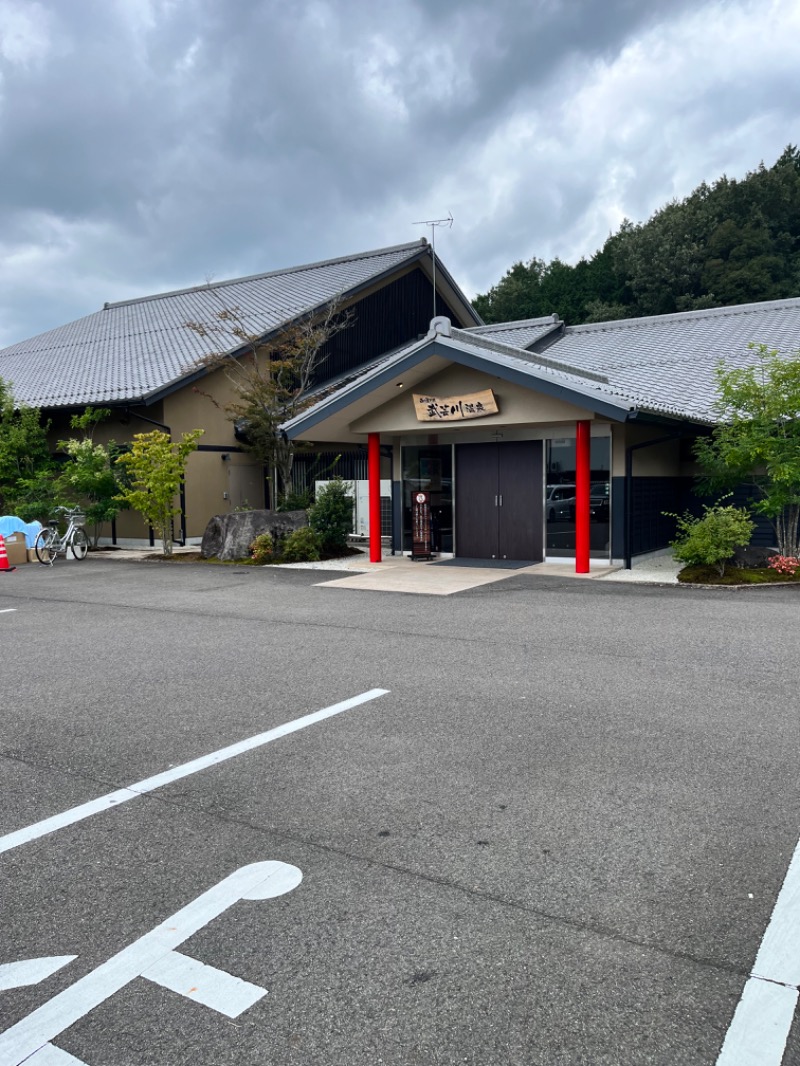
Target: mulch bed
{"points": [[735, 575], [197, 557]]}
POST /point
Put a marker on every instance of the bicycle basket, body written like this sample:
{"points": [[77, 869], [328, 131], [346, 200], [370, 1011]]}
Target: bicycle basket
{"points": [[77, 518]]}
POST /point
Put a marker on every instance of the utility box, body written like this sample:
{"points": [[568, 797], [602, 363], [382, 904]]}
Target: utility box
{"points": [[360, 493], [16, 548]]}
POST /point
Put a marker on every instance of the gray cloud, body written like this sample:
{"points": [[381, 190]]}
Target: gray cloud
{"points": [[148, 144]]}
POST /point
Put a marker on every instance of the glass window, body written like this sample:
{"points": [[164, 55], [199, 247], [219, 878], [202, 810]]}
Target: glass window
{"points": [[559, 501], [429, 468]]}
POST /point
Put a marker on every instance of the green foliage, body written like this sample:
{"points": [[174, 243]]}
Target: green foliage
{"points": [[89, 476], [728, 243], [156, 466], [35, 497], [331, 517], [90, 418], [712, 539], [26, 484], [271, 381], [301, 546], [262, 548], [296, 501], [758, 440]]}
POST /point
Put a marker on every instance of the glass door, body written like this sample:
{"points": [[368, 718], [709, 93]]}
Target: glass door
{"points": [[429, 468], [559, 499]]}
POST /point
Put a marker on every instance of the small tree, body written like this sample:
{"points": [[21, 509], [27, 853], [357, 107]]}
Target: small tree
{"points": [[712, 539], [89, 471], [758, 440], [271, 379], [331, 517], [156, 466], [26, 466]]}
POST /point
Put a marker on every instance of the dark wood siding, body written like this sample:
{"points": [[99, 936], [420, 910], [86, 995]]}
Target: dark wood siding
{"points": [[394, 315], [652, 529]]}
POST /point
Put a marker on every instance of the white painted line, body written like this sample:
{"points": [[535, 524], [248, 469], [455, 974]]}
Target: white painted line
{"points": [[50, 1055], [30, 971], [760, 1028], [260, 880], [8, 610], [204, 984], [150, 784]]}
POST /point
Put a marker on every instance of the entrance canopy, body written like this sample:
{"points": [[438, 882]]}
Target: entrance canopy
{"points": [[455, 365]]}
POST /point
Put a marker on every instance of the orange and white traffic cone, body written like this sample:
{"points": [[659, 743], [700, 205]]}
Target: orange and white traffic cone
{"points": [[4, 557]]}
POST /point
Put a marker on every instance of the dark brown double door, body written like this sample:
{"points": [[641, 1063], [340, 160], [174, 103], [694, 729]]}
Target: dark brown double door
{"points": [[499, 501]]}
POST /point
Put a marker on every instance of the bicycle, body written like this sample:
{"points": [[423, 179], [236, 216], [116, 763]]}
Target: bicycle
{"points": [[49, 543]]}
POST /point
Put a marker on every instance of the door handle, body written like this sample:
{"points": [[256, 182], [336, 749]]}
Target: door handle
{"points": [[501, 501]]}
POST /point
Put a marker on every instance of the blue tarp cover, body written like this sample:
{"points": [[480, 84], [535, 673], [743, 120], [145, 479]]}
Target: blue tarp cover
{"points": [[10, 524]]}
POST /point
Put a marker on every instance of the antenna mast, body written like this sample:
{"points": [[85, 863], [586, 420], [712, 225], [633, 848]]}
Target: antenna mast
{"points": [[433, 223]]}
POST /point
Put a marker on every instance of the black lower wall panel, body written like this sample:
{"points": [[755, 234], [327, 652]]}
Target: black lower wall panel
{"points": [[656, 498]]}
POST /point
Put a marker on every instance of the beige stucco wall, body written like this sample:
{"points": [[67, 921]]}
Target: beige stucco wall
{"points": [[662, 460], [213, 485], [517, 405]]}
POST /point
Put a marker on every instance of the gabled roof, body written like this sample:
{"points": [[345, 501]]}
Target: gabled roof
{"points": [[544, 374], [522, 334], [136, 349], [666, 364], [661, 366]]}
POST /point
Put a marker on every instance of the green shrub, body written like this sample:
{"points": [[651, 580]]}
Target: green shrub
{"points": [[712, 539], [331, 517], [262, 548], [296, 501], [301, 546]]}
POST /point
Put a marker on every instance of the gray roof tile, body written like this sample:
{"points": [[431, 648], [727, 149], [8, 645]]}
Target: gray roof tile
{"points": [[521, 334], [662, 365], [135, 348], [666, 364]]}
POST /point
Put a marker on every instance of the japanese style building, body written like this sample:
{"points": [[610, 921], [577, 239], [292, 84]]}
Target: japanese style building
{"points": [[535, 440], [526, 440]]}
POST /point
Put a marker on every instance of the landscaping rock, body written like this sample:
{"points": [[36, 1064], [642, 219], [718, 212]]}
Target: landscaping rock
{"points": [[229, 536]]}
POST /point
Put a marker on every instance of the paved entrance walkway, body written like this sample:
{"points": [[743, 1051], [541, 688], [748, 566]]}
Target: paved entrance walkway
{"points": [[397, 573]]}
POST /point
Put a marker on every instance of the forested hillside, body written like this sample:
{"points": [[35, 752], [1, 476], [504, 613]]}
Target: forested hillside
{"points": [[728, 243]]}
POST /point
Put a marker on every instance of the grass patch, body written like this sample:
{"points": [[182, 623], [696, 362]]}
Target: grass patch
{"points": [[735, 575]]}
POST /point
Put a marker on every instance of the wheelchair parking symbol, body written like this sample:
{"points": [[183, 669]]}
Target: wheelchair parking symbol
{"points": [[153, 957]]}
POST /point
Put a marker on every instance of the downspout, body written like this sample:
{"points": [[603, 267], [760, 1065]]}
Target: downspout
{"points": [[182, 494], [629, 488]]}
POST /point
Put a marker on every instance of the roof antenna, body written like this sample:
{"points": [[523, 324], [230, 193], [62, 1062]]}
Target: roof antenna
{"points": [[433, 223]]}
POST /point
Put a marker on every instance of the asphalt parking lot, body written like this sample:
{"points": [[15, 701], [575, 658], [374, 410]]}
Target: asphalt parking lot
{"points": [[541, 822]]}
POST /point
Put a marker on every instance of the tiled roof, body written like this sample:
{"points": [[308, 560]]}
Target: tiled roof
{"points": [[666, 364], [663, 365], [520, 334], [136, 348], [533, 359], [551, 375]]}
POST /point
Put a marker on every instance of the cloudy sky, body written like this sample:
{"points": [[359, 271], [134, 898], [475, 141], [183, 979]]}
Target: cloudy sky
{"points": [[147, 145]]}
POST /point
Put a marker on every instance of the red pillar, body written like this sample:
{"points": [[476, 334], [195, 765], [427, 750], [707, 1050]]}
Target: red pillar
{"points": [[374, 475], [583, 474]]}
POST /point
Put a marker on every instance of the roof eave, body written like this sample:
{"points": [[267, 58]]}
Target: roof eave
{"points": [[618, 411], [346, 294]]}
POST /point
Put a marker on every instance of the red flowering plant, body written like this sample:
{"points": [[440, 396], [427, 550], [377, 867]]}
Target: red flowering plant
{"points": [[784, 564]]}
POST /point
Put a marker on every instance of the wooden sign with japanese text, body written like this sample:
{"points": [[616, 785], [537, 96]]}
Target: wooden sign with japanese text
{"points": [[455, 408]]}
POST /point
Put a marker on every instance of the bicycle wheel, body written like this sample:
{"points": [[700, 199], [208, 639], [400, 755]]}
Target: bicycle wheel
{"points": [[79, 544], [44, 546]]}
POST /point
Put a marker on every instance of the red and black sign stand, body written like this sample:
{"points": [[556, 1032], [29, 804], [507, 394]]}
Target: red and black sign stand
{"points": [[421, 545]]}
